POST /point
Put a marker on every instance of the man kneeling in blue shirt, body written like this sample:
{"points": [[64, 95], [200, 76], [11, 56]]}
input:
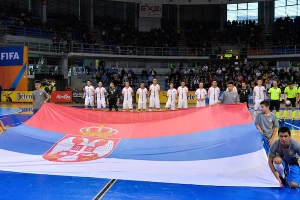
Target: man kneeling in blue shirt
{"points": [[283, 159]]}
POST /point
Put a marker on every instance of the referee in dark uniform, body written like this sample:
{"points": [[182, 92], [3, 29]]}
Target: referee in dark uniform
{"points": [[113, 97], [244, 93]]}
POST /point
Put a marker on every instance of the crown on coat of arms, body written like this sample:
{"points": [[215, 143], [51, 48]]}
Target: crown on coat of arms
{"points": [[98, 131]]}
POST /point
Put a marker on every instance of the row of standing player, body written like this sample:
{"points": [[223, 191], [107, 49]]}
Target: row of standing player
{"points": [[181, 94], [291, 98]]}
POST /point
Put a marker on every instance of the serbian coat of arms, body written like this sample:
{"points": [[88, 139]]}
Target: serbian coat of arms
{"points": [[95, 142]]}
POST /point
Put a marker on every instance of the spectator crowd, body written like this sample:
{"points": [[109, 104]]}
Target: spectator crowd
{"points": [[286, 32], [249, 73]]}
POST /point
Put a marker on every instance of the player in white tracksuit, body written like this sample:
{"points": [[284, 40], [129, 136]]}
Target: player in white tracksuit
{"points": [[182, 96], [100, 93], [213, 93], [200, 96], [172, 93], [88, 94], [142, 95], [259, 94], [127, 93], [154, 96]]}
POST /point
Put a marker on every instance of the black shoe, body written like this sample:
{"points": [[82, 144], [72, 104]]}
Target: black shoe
{"points": [[293, 121]]}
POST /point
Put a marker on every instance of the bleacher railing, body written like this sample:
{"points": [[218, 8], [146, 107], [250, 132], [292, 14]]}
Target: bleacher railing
{"points": [[112, 50], [44, 69], [30, 32], [146, 51]]}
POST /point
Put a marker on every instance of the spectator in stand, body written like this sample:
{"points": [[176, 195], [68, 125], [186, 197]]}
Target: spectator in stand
{"points": [[104, 78], [145, 73], [152, 72]]}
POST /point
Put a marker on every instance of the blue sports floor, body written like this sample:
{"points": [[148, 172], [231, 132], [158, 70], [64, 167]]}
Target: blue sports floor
{"points": [[15, 186]]}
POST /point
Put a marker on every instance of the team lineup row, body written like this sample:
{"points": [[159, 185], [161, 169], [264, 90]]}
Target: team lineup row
{"points": [[180, 95]]}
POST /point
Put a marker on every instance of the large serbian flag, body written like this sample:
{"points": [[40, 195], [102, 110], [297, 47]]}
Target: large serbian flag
{"points": [[207, 146]]}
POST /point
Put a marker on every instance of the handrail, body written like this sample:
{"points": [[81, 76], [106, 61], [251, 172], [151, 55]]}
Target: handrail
{"points": [[44, 69], [27, 31], [49, 47]]}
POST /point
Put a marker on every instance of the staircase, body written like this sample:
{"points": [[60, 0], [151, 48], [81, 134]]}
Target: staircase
{"points": [[268, 44], [182, 41], [96, 35]]}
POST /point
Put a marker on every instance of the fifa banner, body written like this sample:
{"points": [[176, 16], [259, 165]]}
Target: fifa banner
{"points": [[150, 10], [16, 96], [61, 96], [13, 68], [146, 146]]}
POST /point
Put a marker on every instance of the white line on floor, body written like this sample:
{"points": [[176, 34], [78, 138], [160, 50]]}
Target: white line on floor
{"points": [[292, 125]]}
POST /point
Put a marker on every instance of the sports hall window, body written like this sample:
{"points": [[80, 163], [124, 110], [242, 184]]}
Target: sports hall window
{"points": [[285, 8], [242, 11]]}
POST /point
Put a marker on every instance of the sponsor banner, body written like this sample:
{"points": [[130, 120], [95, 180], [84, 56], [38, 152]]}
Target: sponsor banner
{"points": [[77, 97], [13, 68], [61, 96], [150, 10], [16, 96]]}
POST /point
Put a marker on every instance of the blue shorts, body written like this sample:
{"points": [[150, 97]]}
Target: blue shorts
{"points": [[293, 173], [266, 143]]}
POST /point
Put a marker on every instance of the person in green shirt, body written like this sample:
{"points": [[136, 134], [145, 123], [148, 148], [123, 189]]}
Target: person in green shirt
{"points": [[298, 95], [274, 93], [290, 93]]}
